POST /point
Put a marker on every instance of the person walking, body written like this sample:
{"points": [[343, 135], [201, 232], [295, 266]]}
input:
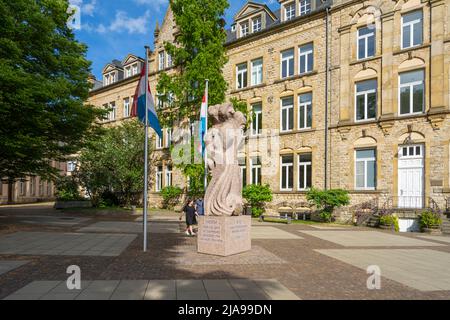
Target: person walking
{"points": [[199, 207], [189, 210]]}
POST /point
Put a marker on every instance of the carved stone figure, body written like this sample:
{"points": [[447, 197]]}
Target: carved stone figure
{"points": [[224, 193]]}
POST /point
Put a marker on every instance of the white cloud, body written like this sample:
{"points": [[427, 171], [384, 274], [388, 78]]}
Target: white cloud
{"points": [[87, 8], [131, 25]]}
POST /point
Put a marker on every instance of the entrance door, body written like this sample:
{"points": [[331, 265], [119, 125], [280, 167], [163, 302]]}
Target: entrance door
{"points": [[410, 176]]}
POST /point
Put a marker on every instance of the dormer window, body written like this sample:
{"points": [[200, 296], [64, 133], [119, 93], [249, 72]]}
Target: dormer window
{"points": [[305, 7], [289, 11], [134, 69], [244, 29], [256, 24], [233, 28], [106, 79], [128, 72]]}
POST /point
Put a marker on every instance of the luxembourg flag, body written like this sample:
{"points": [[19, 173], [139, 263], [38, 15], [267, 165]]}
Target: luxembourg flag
{"points": [[203, 121], [138, 108]]}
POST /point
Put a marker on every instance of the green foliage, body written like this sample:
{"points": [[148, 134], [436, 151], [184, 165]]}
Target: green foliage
{"points": [[241, 106], [327, 200], [257, 196], [114, 163], [429, 219], [198, 54], [390, 220], [67, 189], [171, 196], [43, 86]]}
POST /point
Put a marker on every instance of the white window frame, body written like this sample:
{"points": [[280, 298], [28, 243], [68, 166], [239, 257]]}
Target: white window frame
{"points": [[158, 179], [159, 141], [308, 68], [240, 73], [282, 108], [287, 59], [411, 24], [126, 107], [258, 22], [134, 69], [285, 174], [303, 166], [292, 12], [112, 78], [247, 28], [365, 161], [22, 188], [168, 136], [257, 72], [258, 169], [128, 72], [168, 176], [242, 170], [255, 131], [71, 166], [304, 7], [161, 60], [305, 105], [169, 61], [365, 94], [113, 112], [366, 42], [411, 95]]}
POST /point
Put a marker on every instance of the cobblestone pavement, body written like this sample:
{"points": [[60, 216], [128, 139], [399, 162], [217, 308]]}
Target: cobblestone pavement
{"points": [[303, 264]]}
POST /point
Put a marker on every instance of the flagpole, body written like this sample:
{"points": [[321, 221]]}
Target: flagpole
{"points": [[206, 131], [146, 151]]}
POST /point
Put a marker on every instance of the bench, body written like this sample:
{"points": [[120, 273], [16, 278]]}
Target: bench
{"points": [[285, 218]]}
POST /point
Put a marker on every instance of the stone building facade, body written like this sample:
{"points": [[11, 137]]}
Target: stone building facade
{"points": [[344, 94]]}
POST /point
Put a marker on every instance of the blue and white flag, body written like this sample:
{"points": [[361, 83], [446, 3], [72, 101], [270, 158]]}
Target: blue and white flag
{"points": [[138, 108]]}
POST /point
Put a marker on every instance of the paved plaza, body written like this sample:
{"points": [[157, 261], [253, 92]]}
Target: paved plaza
{"points": [[68, 244], [222, 289], [296, 261]]}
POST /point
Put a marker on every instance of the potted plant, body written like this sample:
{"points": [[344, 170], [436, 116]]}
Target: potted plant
{"points": [[430, 222], [389, 222]]}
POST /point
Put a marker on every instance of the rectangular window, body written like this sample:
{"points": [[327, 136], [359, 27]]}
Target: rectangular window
{"points": [[113, 111], [411, 92], [366, 42], [257, 72], [243, 169], [305, 7], [112, 78], [168, 176], [241, 75], [306, 58], [49, 188], [365, 169], [128, 72], [304, 171], [257, 119], [366, 100], [134, 69], [255, 164], [287, 114], [41, 187], [159, 140], [169, 61], [412, 29], [244, 29], [287, 173], [162, 62], [168, 141], [32, 186], [287, 63], [22, 188], [71, 166], [305, 111], [256, 24], [126, 107], [289, 11], [158, 180]]}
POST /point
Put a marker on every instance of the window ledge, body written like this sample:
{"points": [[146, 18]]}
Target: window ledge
{"points": [[291, 192], [297, 76], [296, 131], [248, 88], [362, 191], [398, 51], [354, 62]]}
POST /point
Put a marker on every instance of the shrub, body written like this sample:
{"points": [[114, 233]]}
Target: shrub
{"points": [[429, 219], [257, 196], [327, 200], [67, 189], [390, 220], [171, 196]]}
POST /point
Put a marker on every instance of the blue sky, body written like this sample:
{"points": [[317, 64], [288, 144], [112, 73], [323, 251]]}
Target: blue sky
{"points": [[114, 28]]}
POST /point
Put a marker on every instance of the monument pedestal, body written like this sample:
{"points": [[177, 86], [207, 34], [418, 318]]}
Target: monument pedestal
{"points": [[224, 235]]}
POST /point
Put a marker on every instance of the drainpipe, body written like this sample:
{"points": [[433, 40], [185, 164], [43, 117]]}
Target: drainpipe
{"points": [[327, 77]]}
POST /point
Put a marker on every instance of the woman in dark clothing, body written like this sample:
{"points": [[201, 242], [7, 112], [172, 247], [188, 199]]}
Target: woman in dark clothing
{"points": [[189, 210]]}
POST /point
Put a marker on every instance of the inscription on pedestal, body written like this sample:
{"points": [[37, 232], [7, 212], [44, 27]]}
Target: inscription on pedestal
{"points": [[211, 231]]}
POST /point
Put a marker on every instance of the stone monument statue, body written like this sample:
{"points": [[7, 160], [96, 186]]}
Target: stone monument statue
{"points": [[223, 230]]}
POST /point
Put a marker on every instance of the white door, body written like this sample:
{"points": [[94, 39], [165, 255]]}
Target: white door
{"points": [[410, 176]]}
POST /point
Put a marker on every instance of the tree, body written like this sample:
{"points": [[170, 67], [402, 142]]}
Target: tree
{"points": [[43, 86], [257, 195], [327, 200], [112, 165], [198, 54]]}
